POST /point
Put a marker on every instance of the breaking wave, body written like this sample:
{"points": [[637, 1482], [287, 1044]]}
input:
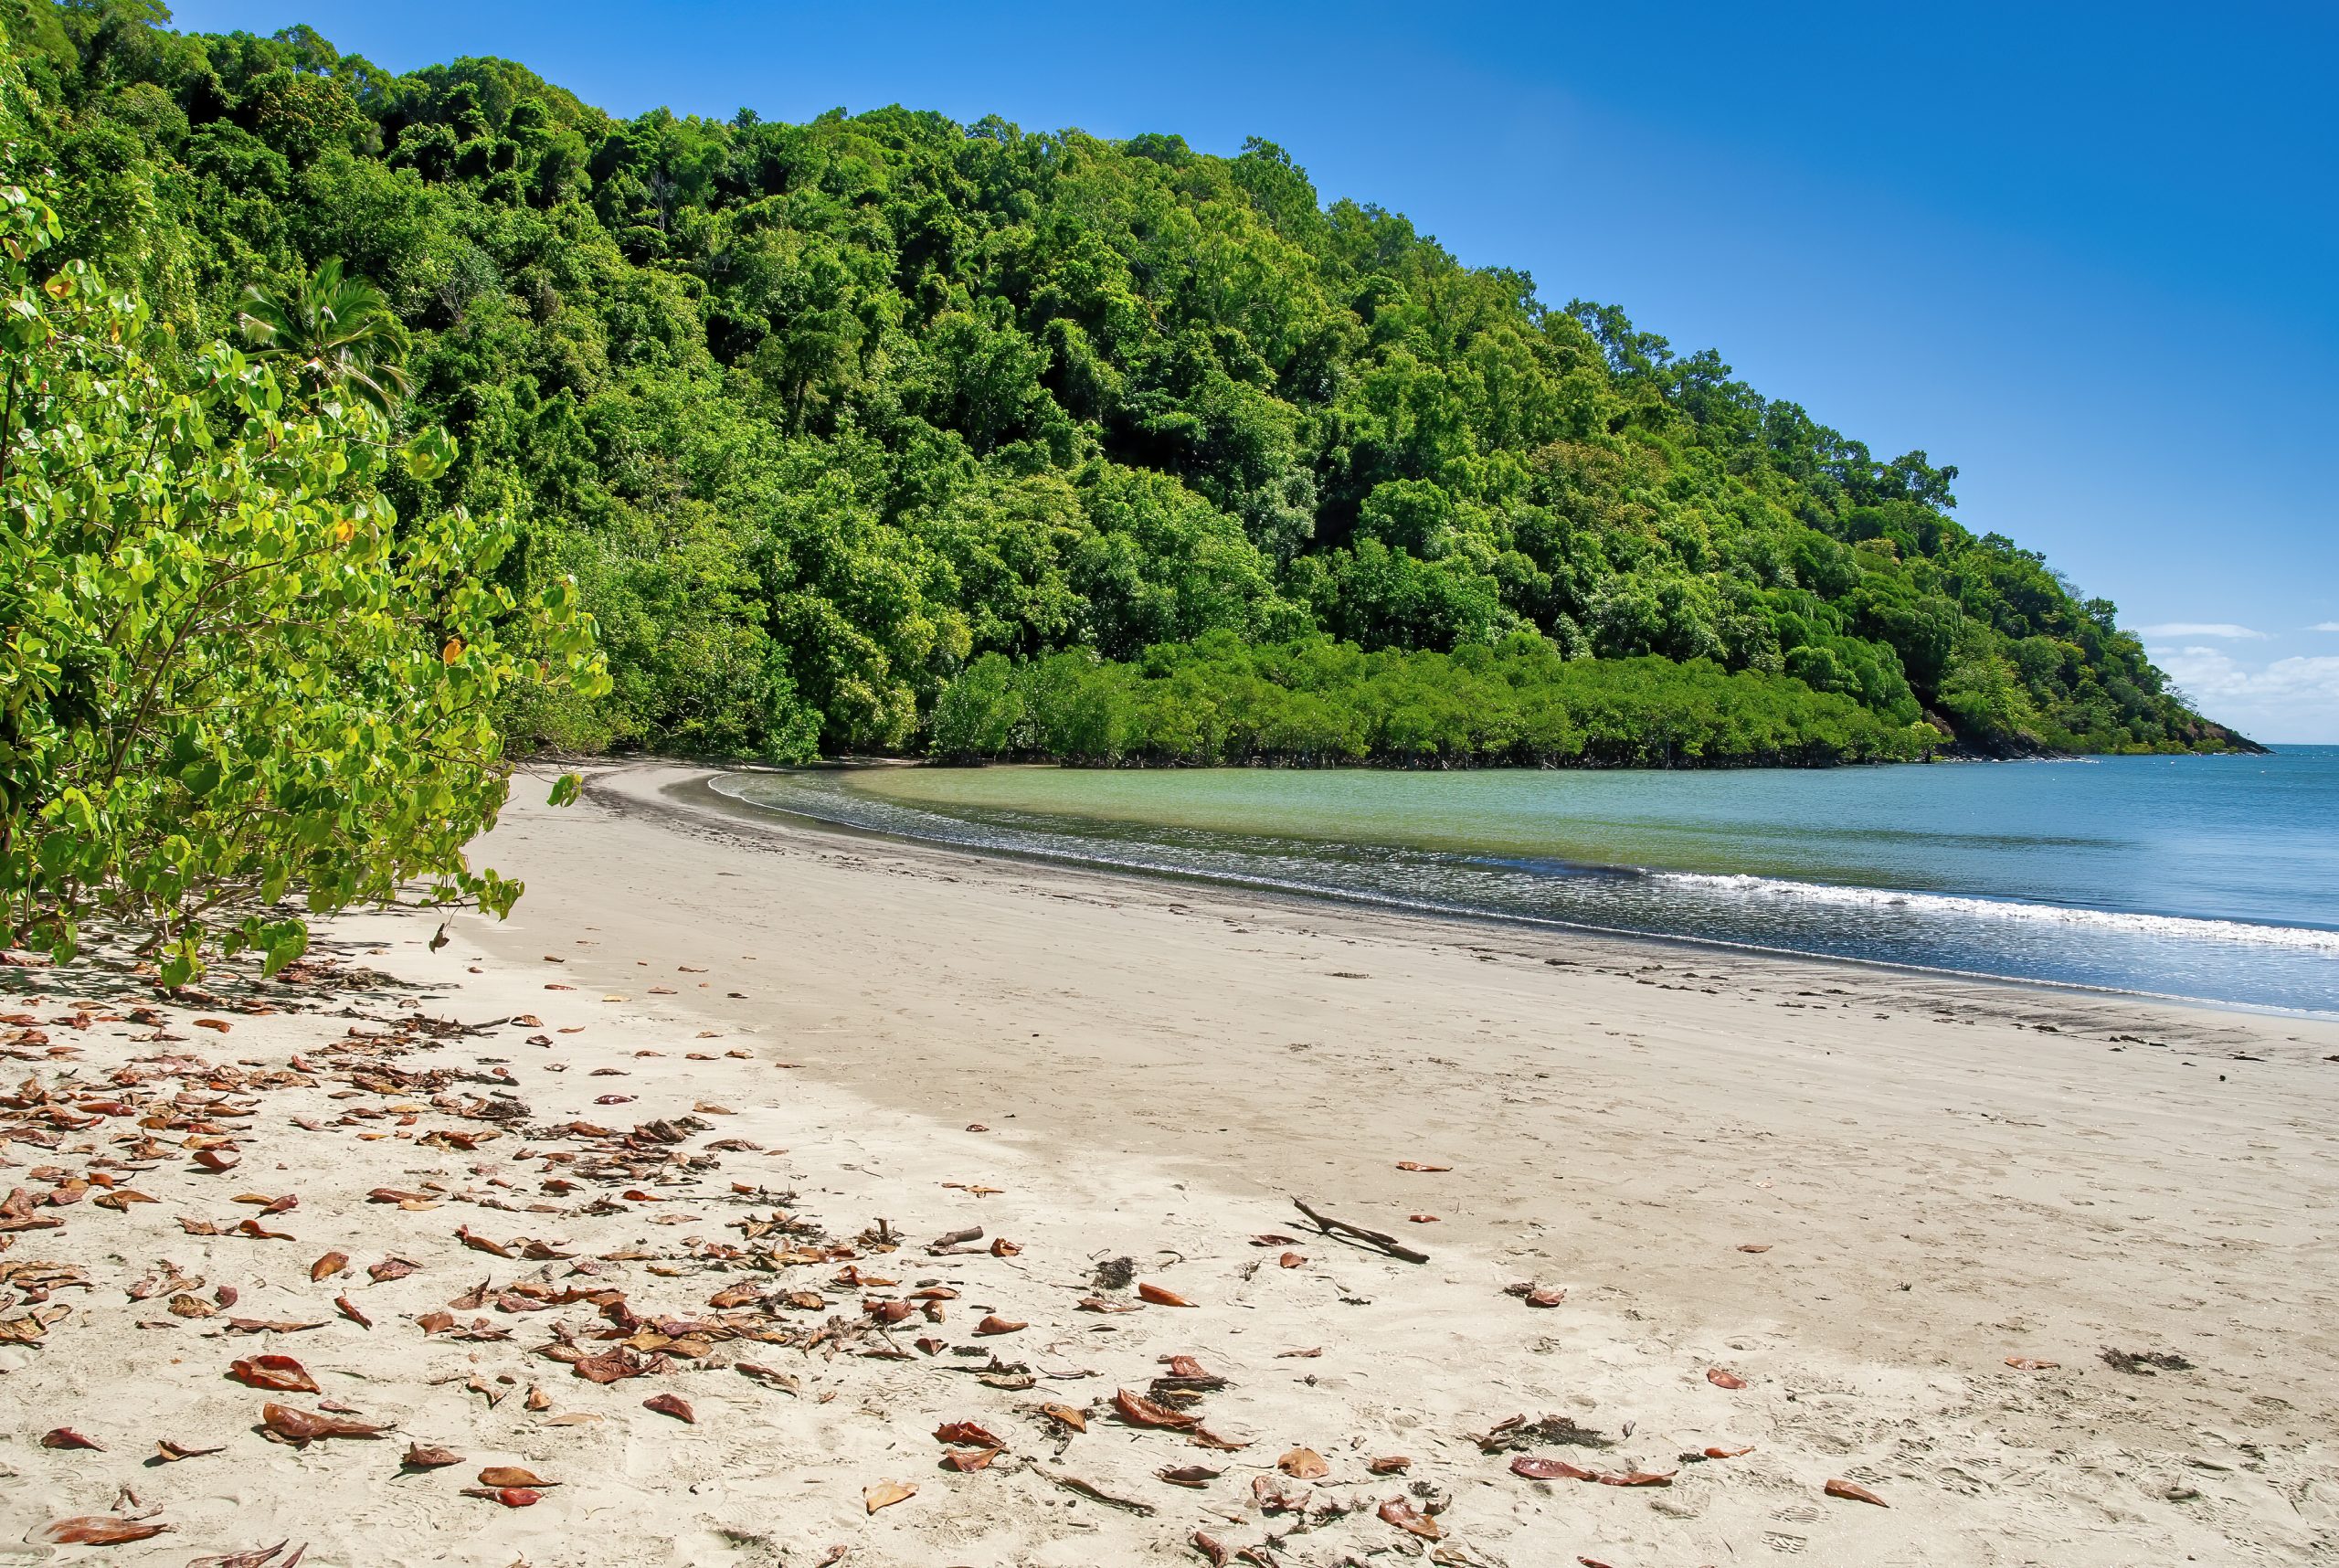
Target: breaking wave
{"points": [[2306, 938]]}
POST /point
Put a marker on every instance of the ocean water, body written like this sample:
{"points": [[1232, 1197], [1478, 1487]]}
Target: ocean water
{"points": [[2212, 878]]}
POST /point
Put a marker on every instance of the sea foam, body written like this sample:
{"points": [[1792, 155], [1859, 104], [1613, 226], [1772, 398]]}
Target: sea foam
{"points": [[2304, 939]]}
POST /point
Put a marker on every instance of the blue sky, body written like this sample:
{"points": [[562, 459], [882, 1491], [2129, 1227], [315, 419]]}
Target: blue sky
{"points": [[2085, 252]]}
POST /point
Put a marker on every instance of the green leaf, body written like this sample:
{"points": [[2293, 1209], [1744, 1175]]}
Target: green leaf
{"points": [[230, 675], [429, 454]]}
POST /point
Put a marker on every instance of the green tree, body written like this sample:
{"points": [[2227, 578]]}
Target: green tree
{"points": [[234, 688], [980, 714], [330, 332]]}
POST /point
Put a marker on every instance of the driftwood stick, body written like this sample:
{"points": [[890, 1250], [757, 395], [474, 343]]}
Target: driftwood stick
{"points": [[1380, 1241], [956, 1238]]}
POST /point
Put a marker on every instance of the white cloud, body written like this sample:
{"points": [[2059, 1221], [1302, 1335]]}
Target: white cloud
{"points": [[2294, 699], [2324, 626], [2205, 628]]}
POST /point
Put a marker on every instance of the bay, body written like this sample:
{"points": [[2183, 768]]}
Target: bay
{"points": [[2211, 878]]}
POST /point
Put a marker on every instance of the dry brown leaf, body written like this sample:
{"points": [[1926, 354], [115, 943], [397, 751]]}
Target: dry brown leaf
{"points": [[2031, 1363], [1304, 1464], [1753, 1246], [281, 1374], [509, 1497], [1537, 1470], [512, 1475], [167, 1452], [1271, 1499], [1721, 1379], [1634, 1478], [98, 1530], [672, 1405], [1291, 1260], [1195, 1476], [995, 1324], [970, 1459], [1211, 1549], [1408, 1517], [609, 1366], [349, 1311], [65, 1438], [1142, 1412], [1065, 1415], [967, 1434], [482, 1244], [1159, 1297], [306, 1427], [418, 1458], [1719, 1453], [1425, 1169], [765, 1374], [1204, 1437], [885, 1494], [1855, 1491], [325, 1267], [1388, 1465]]}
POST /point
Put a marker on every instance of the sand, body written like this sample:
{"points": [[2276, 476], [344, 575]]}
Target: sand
{"points": [[1939, 1175]]}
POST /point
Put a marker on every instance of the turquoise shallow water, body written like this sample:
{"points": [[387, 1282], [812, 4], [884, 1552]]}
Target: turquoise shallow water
{"points": [[2215, 878]]}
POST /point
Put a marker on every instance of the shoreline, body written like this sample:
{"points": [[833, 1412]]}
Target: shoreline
{"points": [[1095, 1066], [704, 795]]}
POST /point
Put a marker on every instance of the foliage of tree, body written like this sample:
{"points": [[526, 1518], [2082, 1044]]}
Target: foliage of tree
{"points": [[818, 416], [235, 684], [1314, 702], [329, 331]]}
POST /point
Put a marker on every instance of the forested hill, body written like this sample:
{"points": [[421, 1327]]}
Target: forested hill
{"points": [[821, 416]]}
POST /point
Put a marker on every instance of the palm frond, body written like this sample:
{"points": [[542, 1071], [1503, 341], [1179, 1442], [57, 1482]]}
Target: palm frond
{"points": [[340, 330]]}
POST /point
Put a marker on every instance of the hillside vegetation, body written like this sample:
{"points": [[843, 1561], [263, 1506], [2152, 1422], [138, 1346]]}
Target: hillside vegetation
{"points": [[884, 433]]}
